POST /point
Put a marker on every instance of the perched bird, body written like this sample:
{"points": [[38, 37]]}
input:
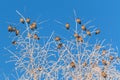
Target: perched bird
{"points": [[67, 25], [13, 29], [10, 28], [57, 38], [79, 38], [59, 45], [36, 37], [88, 33], [104, 52], [78, 21], [103, 74], [17, 32], [40, 68], [28, 20], [33, 26], [104, 62], [97, 47], [22, 20], [72, 64], [83, 27], [14, 42], [76, 35], [111, 57], [97, 31]]}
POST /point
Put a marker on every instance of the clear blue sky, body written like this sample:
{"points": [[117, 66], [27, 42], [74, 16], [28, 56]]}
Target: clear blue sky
{"points": [[104, 13]]}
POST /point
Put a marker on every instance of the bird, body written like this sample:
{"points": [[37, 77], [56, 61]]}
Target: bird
{"points": [[78, 20], [17, 32], [97, 47], [103, 74], [36, 37], [111, 57], [33, 26], [28, 20], [67, 25], [79, 38], [88, 33], [13, 29], [57, 38], [83, 27], [10, 28], [104, 62], [40, 68], [97, 31], [14, 42], [76, 35], [104, 52], [22, 20], [72, 64], [59, 45]]}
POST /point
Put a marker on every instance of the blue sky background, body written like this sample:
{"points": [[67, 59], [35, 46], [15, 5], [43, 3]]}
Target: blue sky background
{"points": [[104, 13]]}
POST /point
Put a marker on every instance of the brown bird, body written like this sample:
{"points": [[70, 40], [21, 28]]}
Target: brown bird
{"points": [[88, 33], [111, 57], [97, 31], [36, 37], [40, 68], [97, 47], [104, 52], [79, 38], [59, 45], [103, 74], [17, 32], [78, 21], [13, 29], [22, 20], [104, 62], [72, 64], [57, 38], [33, 26], [83, 27], [10, 28], [14, 42], [28, 20], [76, 35], [67, 25]]}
